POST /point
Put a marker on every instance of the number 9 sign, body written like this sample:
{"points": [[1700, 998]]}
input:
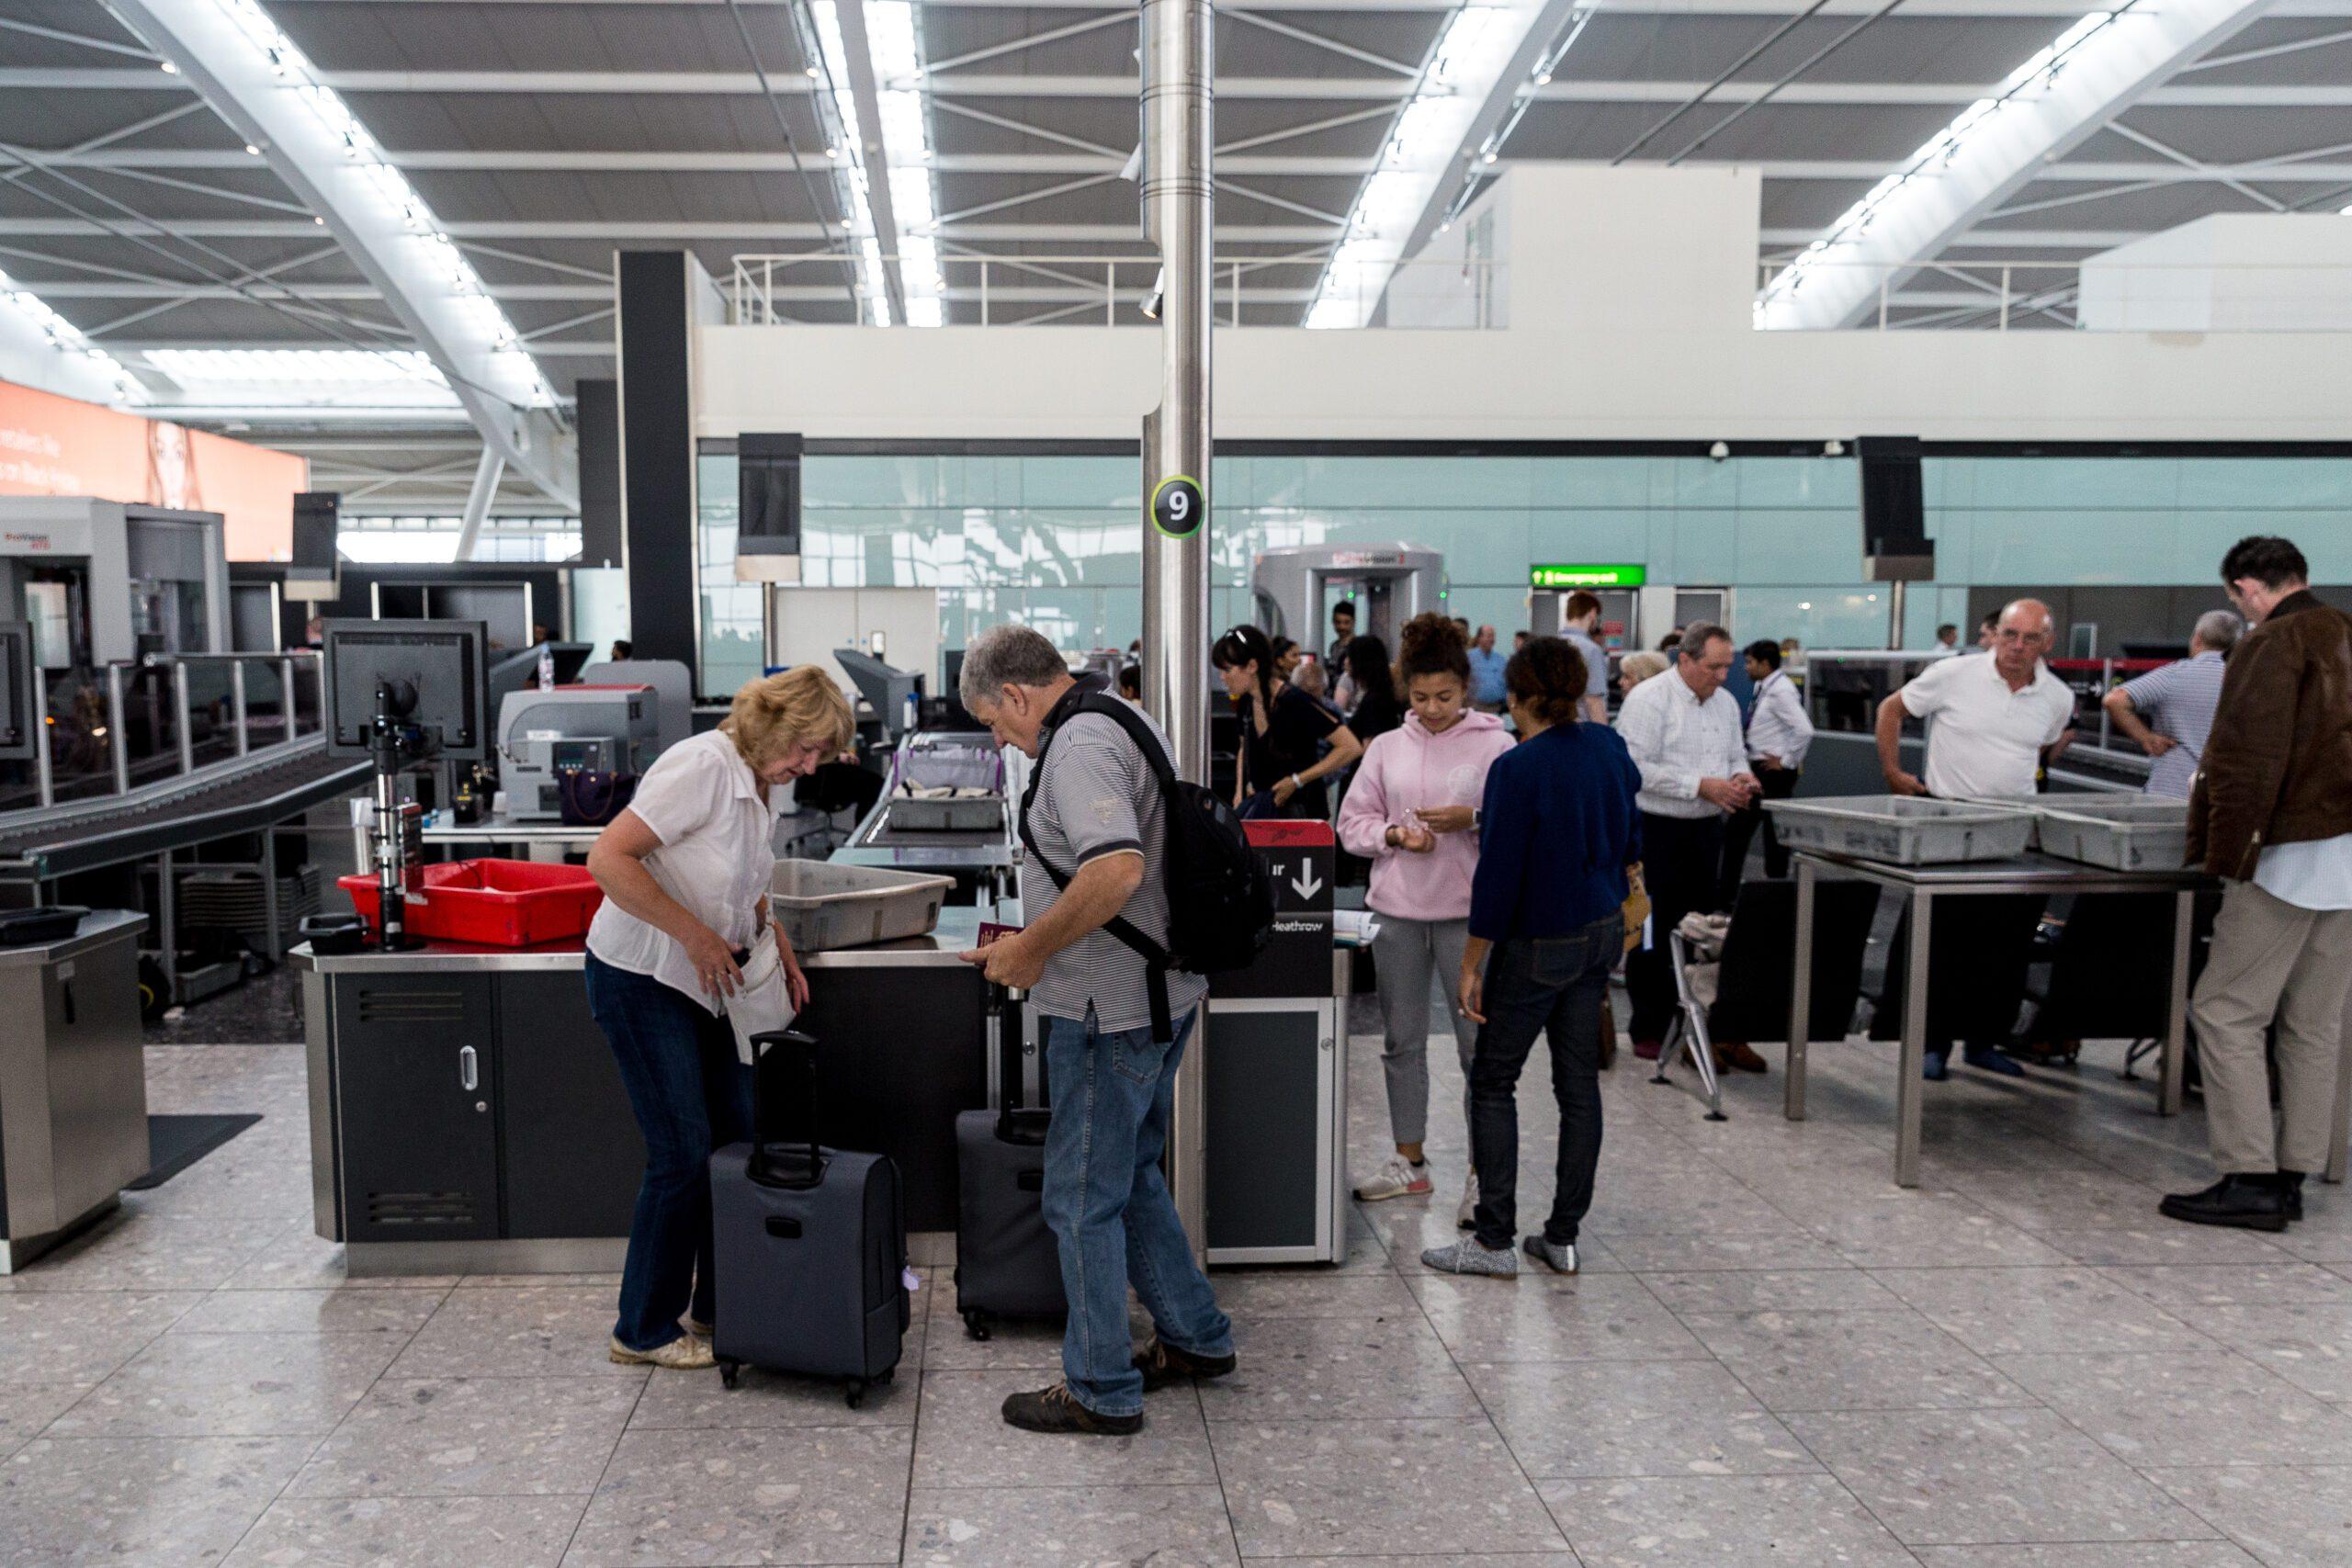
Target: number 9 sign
{"points": [[1177, 508]]}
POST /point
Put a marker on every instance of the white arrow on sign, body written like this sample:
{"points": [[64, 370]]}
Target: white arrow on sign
{"points": [[1307, 882]]}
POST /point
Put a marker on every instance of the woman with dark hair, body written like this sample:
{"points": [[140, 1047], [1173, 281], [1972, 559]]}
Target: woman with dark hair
{"points": [[1280, 775], [1411, 811], [1378, 709], [1552, 911]]}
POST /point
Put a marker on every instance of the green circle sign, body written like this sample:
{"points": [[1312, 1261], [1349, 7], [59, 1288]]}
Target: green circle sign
{"points": [[1178, 507]]}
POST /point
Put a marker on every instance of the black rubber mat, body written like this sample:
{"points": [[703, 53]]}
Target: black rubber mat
{"points": [[175, 1142]]}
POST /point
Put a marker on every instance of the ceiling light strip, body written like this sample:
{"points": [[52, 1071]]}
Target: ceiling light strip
{"points": [[517, 376], [69, 340], [837, 107], [904, 104], [1463, 68]]}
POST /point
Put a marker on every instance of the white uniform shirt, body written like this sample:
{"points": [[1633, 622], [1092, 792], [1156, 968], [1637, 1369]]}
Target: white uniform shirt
{"points": [[1779, 726], [718, 853], [1677, 740], [1982, 738]]}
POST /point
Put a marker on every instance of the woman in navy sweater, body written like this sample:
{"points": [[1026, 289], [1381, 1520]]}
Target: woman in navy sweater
{"points": [[1560, 827]]}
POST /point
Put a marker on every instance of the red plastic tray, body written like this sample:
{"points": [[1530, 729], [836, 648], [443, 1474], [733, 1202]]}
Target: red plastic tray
{"points": [[497, 903]]}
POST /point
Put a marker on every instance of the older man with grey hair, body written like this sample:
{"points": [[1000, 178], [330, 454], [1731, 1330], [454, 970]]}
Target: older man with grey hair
{"points": [[1096, 827], [2169, 711]]}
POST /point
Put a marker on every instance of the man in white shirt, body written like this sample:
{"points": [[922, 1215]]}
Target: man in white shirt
{"points": [[1991, 723], [2271, 815], [1947, 641], [1683, 730], [1779, 732]]}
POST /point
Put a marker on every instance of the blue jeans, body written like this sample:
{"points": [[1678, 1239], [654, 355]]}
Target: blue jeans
{"points": [[1553, 985], [691, 1095], [1108, 1207]]}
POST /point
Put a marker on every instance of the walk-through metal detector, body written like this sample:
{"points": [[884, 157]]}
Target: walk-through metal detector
{"points": [[1296, 586]]}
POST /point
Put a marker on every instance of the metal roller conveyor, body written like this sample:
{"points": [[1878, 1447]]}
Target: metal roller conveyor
{"points": [[229, 799]]}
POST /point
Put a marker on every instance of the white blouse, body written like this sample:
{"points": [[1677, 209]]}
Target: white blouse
{"points": [[718, 854]]}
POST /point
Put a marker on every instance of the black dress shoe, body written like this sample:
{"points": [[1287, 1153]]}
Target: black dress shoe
{"points": [[2248, 1202], [1163, 1364], [1056, 1409]]}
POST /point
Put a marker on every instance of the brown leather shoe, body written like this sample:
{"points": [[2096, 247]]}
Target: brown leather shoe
{"points": [[1738, 1054]]}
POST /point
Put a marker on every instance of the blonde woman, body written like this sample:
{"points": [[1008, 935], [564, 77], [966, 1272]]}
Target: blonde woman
{"points": [[686, 871]]}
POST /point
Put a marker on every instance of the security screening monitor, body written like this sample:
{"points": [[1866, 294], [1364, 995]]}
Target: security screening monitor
{"points": [[17, 719]]}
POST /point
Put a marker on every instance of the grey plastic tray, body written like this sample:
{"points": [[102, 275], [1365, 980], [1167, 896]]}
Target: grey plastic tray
{"points": [[823, 906], [2133, 832], [947, 814], [1902, 829]]}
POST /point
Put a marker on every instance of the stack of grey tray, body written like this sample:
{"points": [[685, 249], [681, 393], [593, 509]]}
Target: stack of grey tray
{"points": [[1900, 830], [229, 899]]}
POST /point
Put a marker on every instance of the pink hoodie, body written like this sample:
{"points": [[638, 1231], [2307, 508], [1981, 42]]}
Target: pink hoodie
{"points": [[1406, 769]]}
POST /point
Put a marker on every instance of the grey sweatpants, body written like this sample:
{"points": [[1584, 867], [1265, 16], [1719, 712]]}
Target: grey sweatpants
{"points": [[2271, 959], [1405, 953]]}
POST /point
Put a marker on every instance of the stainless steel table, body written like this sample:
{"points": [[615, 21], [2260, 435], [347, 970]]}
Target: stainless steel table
{"points": [[1923, 885]]}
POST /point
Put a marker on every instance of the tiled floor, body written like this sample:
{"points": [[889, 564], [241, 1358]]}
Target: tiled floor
{"points": [[1774, 1357]]}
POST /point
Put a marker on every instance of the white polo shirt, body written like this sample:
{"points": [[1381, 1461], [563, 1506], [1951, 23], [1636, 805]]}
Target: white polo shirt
{"points": [[1982, 738], [718, 853]]}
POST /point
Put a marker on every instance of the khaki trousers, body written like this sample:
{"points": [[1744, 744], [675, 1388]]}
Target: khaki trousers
{"points": [[2271, 959]]}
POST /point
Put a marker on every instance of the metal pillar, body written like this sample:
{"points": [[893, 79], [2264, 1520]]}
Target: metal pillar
{"points": [[1177, 123], [479, 496]]}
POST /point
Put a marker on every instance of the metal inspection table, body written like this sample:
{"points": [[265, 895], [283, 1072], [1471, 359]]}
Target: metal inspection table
{"points": [[1923, 885]]}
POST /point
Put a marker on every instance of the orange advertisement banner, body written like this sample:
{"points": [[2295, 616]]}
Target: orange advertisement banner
{"points": [[54, 446]]}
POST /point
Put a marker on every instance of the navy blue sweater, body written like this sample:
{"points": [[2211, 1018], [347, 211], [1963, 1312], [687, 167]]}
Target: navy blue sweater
{"points": [[1558, 829]]}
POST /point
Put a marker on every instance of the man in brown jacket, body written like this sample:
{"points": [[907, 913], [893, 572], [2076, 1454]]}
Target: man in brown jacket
{"points": [[2271, 813]]}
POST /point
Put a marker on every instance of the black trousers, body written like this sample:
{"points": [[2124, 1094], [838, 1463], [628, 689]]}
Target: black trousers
{"points": [[1682, 860], [1739, 831], [1552, 985]]}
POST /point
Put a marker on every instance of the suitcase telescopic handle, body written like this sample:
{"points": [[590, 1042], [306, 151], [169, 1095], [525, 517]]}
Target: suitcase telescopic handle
{"points": [[1014, 1122], [799, 1051]]}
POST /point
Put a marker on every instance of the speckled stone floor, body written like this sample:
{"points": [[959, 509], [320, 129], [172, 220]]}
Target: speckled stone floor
{"points": [[1773, 1357]]}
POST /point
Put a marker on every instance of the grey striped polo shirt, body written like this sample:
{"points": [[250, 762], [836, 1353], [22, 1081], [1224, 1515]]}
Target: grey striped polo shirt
{"points": [[1096, 797]]}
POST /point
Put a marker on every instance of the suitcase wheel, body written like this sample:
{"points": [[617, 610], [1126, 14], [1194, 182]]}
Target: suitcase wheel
{"points": [[976, 1324], [731, 1373], [854, 1394]]}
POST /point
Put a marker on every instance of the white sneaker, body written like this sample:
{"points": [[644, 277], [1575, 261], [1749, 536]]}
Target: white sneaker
{"points": [[1400, 1178], [1466, 1216], [684, 1354]]}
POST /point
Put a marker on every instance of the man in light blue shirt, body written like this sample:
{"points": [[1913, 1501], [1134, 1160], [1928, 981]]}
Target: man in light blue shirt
{"points": [[2169, 711], [1487, 672], [1577, 626]]}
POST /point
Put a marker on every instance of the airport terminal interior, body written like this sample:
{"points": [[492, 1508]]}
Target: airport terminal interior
{"points": [[713, 710]]}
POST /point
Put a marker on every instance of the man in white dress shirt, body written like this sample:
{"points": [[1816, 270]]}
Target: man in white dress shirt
{"points": [[1683, 730], [1991, 724], [1779, 732]]}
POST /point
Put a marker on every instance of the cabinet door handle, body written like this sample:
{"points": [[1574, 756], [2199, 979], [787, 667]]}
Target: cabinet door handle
{"points": [[468, 1077]]}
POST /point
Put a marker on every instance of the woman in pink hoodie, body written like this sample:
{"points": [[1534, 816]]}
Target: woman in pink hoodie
{"points": [[1413, 813]]}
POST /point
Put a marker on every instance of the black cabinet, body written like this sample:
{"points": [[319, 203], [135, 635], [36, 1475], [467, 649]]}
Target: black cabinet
{"points": [[574, 1156], [415, 1069]]}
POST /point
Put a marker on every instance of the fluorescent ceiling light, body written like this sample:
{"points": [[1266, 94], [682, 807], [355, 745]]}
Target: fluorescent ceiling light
{"points": [[1979, 121], [516, 376], [1462, 72], [834, 99], [251, 366], [906, 147], [68, 339]]}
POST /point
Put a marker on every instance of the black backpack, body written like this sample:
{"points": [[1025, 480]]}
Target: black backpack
{"points": [[1220, 900]]}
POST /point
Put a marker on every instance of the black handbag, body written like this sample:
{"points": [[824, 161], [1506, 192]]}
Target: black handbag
{"points": [[590, 798]]}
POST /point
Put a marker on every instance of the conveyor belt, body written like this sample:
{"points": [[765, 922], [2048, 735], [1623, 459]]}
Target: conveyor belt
{"points": [[64, 840]]}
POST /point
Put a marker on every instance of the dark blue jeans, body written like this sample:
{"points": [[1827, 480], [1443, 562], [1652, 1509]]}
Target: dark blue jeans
{"points": [[1554, 985], [691, 1096], [1108, 1206]]}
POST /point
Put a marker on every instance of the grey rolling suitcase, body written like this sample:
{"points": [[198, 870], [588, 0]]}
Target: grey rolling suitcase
{"points": [[810, 1244], [1006, 1262]]}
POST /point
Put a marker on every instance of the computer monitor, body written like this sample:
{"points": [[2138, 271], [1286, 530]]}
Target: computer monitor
{"points": [[17, 736], [444, 662], [885, 687]]}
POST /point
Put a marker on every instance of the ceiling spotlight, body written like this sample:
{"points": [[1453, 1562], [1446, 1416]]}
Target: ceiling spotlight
{"points": [[1833, 447], [252, 151], [814, 72], [832, 152], [1543, 78], [170, 69], [320, 221], [1490, 156]]}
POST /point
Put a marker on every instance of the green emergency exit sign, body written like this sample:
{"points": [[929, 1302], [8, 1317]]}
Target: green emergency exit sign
{"points": [[1580, 575]]}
